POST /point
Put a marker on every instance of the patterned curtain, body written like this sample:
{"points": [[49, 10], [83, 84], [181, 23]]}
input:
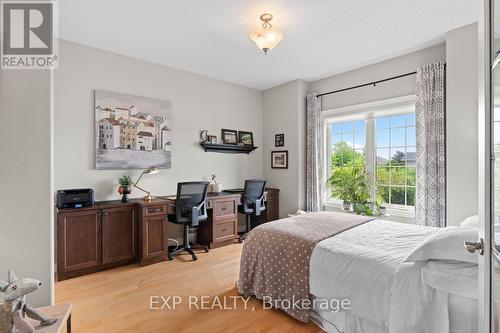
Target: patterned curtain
{"points": [[430, 114], [313, 164]]}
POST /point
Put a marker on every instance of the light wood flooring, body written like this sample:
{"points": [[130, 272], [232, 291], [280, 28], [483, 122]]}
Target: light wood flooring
{"points": [[118, 300]]}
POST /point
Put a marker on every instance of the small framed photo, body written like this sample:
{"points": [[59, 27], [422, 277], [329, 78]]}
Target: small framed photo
{"points": [[279, 140], [279, 159], [212, 139], [229, 136], [246, 138]]}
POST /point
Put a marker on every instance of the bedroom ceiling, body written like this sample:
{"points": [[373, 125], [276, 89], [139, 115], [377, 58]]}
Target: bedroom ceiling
{"points": [[211, 38]]}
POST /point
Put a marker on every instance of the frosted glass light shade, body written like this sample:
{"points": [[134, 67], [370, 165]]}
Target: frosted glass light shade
{"points": [[267, 38]]}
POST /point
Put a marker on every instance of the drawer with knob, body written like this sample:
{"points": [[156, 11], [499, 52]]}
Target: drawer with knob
{"points": [[224, 208], [225, 230]]}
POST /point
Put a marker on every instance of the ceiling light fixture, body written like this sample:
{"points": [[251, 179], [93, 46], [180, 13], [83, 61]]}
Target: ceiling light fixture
{"points": [[266, 37]]}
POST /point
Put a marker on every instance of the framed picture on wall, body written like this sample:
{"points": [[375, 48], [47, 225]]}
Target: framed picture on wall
{"points": [[131, 132], [279, 159], [246, 138], [279, 140], [229, 136]]}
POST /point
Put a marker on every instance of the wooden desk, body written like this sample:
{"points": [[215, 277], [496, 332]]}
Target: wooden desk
{"points": [[112, 233], [60, 311]]}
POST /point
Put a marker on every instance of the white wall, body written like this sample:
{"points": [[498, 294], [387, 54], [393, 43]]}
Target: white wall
{"points": [[197, 103], [26, 225], [461, 123], [284, 112]]}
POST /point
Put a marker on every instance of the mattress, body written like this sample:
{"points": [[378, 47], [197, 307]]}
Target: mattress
{"points": [[365, 264], [462, 318]]}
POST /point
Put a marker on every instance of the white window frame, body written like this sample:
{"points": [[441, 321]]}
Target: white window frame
{"points": [[368, 112]]}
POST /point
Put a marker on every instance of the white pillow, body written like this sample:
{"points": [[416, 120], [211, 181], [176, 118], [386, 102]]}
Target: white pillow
{"points": [[471, 221], [446, 244]]}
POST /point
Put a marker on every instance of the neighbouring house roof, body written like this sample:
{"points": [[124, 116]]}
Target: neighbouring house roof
{"points": [[147, 134], [119, 108], [147, 124]]}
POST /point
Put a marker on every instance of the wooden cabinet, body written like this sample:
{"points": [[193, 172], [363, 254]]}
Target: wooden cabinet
{"points": [[272, 204], [90, 240], [119, 234], [221, 228], [78, 241], [153, 234]]}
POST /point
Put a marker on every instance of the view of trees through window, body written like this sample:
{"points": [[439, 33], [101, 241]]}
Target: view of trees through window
{"points": [[394, 147]]}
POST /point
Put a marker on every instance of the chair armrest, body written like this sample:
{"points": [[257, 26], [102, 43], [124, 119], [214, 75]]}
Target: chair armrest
{"points": [[194, 217]]}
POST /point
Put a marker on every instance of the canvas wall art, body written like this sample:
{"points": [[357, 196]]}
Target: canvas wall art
{"points": [[131, 132]]}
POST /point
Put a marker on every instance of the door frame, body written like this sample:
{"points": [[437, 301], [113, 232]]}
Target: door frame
{"points": [[485, 162]]}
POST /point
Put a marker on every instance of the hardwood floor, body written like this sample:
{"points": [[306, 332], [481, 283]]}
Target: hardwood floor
{"points": [[118, 300]]}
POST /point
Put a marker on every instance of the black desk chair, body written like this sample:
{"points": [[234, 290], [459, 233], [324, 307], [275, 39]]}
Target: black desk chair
{"points": [[190, 210], [252, 202]]}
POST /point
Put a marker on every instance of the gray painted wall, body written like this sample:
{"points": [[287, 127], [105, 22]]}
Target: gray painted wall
{"points": [[461, 123], [284, 112], [197, 103], [26, 226], [460, 54]]}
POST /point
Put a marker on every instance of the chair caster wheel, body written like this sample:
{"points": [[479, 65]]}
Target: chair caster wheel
{"points": [[206, 249], [195, 258], [170, 258]]}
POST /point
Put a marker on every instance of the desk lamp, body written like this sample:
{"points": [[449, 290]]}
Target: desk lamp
{"points": [[150, 171]]}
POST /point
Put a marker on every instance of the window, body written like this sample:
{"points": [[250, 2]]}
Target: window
{"points": [[396, 159], [380, 139]]}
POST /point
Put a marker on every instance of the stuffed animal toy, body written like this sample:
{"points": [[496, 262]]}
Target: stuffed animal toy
{"points": [[13, 307]]}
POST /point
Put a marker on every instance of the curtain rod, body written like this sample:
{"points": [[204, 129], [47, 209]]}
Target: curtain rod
{"points": [[373, 83]]}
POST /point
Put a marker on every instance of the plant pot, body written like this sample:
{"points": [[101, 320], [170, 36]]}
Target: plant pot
{"points": [[347, 205], [124, 191], [382, 210], [217, 187]]}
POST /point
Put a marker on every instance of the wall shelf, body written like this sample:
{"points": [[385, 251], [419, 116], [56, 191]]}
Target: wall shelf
{"points": [[227, 149]]}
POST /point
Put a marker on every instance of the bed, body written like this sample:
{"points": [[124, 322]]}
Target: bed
{"points": [[365, 264]]}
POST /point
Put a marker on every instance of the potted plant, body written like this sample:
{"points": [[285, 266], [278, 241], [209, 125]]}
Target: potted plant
{"points": [[216, 187], [353, 186], [125, 188], [340, 185]]}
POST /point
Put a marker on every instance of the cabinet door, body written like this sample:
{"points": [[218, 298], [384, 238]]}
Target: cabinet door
{"points": [[119, 234], [273, 212], [79, 240], [154, 237]]}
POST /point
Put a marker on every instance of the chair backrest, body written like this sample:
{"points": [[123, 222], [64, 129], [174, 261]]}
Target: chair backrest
{"points": [[253, 196], [191, 202]]}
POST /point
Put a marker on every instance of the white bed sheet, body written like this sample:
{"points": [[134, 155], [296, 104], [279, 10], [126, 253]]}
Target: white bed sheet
{"points": [[365, 264], [462, 317]]}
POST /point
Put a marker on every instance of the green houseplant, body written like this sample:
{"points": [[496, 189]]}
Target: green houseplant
{"points": [[125, 188], [353, 186]]}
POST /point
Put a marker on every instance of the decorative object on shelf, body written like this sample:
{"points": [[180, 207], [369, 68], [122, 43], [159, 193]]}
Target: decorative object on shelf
{"points": [[227, 148], [279, 159], [266, 37], [13, 306], [212, 139], [246, 138], [216, 187], [150, 171], [131, 132], [125, 188], [229, 136], [279, 140], [204, 136]]}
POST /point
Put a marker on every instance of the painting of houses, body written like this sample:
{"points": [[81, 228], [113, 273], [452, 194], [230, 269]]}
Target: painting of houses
{"points": [[131, 132]]}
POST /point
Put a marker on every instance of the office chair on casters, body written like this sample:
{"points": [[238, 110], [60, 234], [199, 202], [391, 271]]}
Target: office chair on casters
{"points": [[252, 202], [190, 210]]}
